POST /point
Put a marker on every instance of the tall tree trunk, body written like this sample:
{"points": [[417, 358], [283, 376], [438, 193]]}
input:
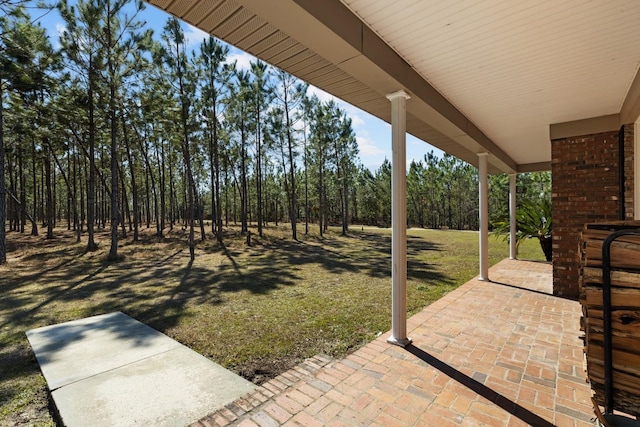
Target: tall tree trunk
{"points": [[292, 172], [3, 190], [76, 219], [345, 205], [226, 195], [321, 201], [69, 167], [199, 207], [42, 207], [55, 195], [91, 190], [34, 228], [306, 186], [134, 186], [125, 213], [172, 195], [104, 201], [147, 199], [47, 171], [23, 192], [321, 212], [11, 205], [83, 191], [214, 161], [243, 176], [49, 149], [235, 201], [187, 159], [162, 177], [258, 172], [214, 204], [113, 251], [218, 201], [340, 178], [142, 141]]}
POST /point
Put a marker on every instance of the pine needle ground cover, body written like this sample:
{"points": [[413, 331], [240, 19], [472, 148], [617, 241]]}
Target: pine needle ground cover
{"points": [[257, 310]]}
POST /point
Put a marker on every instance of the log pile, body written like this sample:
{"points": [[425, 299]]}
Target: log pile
{"points": [[625, 302]]}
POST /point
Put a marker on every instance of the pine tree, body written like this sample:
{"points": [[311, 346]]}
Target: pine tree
{"points": [[261, 94], [175, 57], [215, 77], [289, 93], [80, 45]]}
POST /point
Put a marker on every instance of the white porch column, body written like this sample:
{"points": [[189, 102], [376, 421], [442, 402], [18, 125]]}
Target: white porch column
{"points": [[398, 219], [512, 216], [484, 216]]}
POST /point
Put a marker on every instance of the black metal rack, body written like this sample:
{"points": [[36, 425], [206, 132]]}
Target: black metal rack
{"points": [[608, 329]]}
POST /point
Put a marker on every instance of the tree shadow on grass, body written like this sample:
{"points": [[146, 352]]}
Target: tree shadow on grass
{"points": [[260, 269], [50, 294], [160, 290]]}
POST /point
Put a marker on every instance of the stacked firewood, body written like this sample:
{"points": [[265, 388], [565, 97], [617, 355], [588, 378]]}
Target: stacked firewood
{"points": [[625, 314]]}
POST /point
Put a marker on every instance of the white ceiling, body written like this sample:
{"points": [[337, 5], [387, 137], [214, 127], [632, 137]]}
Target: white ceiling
{"points": [[515, 67]]}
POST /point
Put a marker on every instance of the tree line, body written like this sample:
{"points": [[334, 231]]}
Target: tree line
{"points": [[120, 129]]}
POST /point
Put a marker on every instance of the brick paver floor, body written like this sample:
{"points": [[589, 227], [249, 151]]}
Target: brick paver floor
{"points": [[499, 353]]}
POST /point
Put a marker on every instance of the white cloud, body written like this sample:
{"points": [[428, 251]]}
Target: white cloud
{"points": [[56, 36], [194, 36], [60, 29], [322, 95], [242, 59], [368, 148], [357, 121]]}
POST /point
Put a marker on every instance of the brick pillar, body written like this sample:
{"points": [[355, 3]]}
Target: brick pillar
{"points": [[585, 188], [628, 172]]}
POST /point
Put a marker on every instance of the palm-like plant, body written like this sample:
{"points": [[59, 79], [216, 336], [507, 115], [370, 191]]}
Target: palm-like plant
{"points": [[533, 220]]}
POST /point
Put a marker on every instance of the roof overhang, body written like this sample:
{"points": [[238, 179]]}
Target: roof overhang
{"points": [[345, 48]]}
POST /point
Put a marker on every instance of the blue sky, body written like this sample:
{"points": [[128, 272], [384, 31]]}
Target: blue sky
{"points": [[373, 135]]}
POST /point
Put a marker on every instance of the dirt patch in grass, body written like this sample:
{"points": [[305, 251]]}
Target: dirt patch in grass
{"points": [[257, 310]]}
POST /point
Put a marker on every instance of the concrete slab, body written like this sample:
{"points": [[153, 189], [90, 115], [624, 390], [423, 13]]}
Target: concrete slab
{"points": [[112, 370], [72, 351]]}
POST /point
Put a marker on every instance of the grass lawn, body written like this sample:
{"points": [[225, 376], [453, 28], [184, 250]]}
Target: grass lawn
{"points": [[257, 310]]}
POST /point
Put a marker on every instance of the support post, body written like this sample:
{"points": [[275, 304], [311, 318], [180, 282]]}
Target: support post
{"points": [[398, 219], [484, 216], [512, 216]]}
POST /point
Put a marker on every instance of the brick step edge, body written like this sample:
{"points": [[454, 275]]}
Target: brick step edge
{"points": [[231, 413]]}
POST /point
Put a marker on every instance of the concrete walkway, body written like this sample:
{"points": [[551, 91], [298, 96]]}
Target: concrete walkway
{"points": [[501, 353], [112, 370]]}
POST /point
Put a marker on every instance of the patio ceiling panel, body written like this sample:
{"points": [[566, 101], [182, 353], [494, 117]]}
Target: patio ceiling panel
{"points": [[306, 56], [199, 11], [251, 26], [366, 97], [307, 63], [514, 68], [293, 52], [237, 23], [284, 45], [256, 36], [220, 12], [338, 80]]}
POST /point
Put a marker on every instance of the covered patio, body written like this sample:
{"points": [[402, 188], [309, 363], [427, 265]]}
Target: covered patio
{"points": [[499, 353], [510, 87]]}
